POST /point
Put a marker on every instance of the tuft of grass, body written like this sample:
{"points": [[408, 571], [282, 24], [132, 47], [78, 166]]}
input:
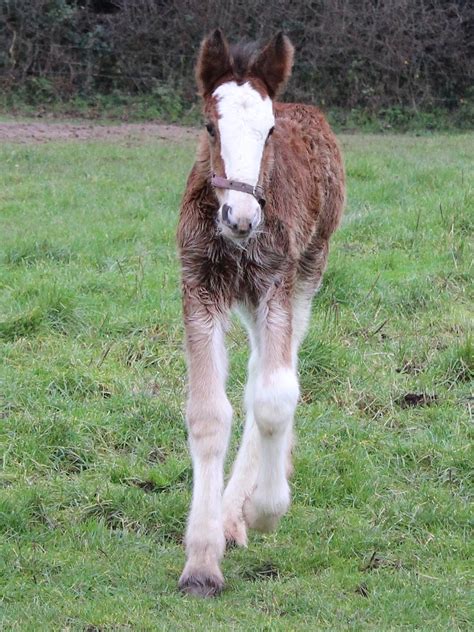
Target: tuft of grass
{"points": [[21, 326], [95, 474], [44, 306], [32, 253], [456, 364]]}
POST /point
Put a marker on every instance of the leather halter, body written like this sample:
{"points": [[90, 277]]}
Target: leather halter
{"points": [[223, 183]]}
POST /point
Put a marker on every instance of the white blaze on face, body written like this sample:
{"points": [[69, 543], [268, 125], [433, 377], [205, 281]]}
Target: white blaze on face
{"points": [[245, 118]]}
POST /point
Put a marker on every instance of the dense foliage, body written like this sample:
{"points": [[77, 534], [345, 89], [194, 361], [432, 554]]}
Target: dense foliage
{"points": [[350, 54]]}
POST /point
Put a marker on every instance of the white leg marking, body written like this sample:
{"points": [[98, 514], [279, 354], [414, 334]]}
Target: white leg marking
{"points": [[276, 396], [301, 316], [208, 418], [245, 469], [258, 491]]}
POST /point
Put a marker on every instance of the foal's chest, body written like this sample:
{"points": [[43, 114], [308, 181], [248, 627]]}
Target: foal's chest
{"points": [[249, 274]]}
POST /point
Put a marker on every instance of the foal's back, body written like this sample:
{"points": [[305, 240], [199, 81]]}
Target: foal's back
{"points": [[309, 177]]}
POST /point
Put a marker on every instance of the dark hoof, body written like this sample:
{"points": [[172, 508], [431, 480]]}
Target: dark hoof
{"points": [[200, 585]]}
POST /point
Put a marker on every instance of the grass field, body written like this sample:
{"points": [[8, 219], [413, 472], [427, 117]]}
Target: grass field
{"points": [[95, 475]]}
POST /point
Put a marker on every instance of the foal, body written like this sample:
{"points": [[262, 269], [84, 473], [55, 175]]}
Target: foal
{"points": [[262, 199]]}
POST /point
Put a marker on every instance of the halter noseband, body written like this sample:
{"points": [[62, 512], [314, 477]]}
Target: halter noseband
{"points": [[223, 183]]}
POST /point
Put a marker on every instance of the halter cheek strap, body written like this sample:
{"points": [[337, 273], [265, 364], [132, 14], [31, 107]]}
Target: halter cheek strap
{"points": [[243, 187]]}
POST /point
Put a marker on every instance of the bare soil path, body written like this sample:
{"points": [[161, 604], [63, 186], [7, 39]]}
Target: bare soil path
{"points": [[31, 132]]}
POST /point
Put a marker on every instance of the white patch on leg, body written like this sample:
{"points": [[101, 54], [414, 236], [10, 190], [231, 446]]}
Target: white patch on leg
{"points": [[241, 484], [245, 469], [208, 418], [302, 301], [208, 444], [276, 396], [275, 402]]}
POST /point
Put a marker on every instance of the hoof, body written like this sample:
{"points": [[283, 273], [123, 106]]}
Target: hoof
{"points": [[235, 532], [265, 523], [201, 585], [260, 518]]}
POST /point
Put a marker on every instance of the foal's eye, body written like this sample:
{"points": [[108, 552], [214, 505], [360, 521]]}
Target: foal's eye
{"points": [[210, 129], [272, 129]]}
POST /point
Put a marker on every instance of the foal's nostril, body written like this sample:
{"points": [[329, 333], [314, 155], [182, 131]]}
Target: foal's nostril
{"points": [[228, 219], [226, 211]]}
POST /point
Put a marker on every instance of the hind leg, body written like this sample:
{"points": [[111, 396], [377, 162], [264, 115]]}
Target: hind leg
{"points": [[245, 469], [241, 484]]}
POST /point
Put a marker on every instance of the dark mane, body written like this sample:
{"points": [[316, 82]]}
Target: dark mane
{"points": [[243, 55]]}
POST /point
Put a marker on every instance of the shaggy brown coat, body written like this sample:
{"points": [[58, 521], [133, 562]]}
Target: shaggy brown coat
{"points": [[271, 277], [303, 180]]}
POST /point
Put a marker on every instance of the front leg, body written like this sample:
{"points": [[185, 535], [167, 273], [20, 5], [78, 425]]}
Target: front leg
{"points": [[275, 395], [208, 419]]}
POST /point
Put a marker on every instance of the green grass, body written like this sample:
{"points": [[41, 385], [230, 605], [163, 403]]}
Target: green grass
{"points": [[95, 474]]}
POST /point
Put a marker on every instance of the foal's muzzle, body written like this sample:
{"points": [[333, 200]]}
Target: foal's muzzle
{"points": [[239, 214], [241, 227]]}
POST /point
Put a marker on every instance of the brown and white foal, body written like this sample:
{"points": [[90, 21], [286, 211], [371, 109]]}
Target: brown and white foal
{"points": [[262, 199]]}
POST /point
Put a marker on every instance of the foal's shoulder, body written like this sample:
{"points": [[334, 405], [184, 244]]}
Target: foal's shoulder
{"points": [[306, 126]]}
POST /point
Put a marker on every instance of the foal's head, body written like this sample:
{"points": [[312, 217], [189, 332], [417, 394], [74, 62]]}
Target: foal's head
{"points": [[238, 85]]}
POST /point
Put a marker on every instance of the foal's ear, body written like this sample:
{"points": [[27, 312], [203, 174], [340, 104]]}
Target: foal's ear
{"points": [[213, 61], [273, 65]]}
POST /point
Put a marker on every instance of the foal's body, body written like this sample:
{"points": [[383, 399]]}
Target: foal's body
{"points": [[270, 277]]}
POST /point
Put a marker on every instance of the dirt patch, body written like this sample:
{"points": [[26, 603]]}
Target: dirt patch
{"points": [[410, 400], [15, 132]]}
